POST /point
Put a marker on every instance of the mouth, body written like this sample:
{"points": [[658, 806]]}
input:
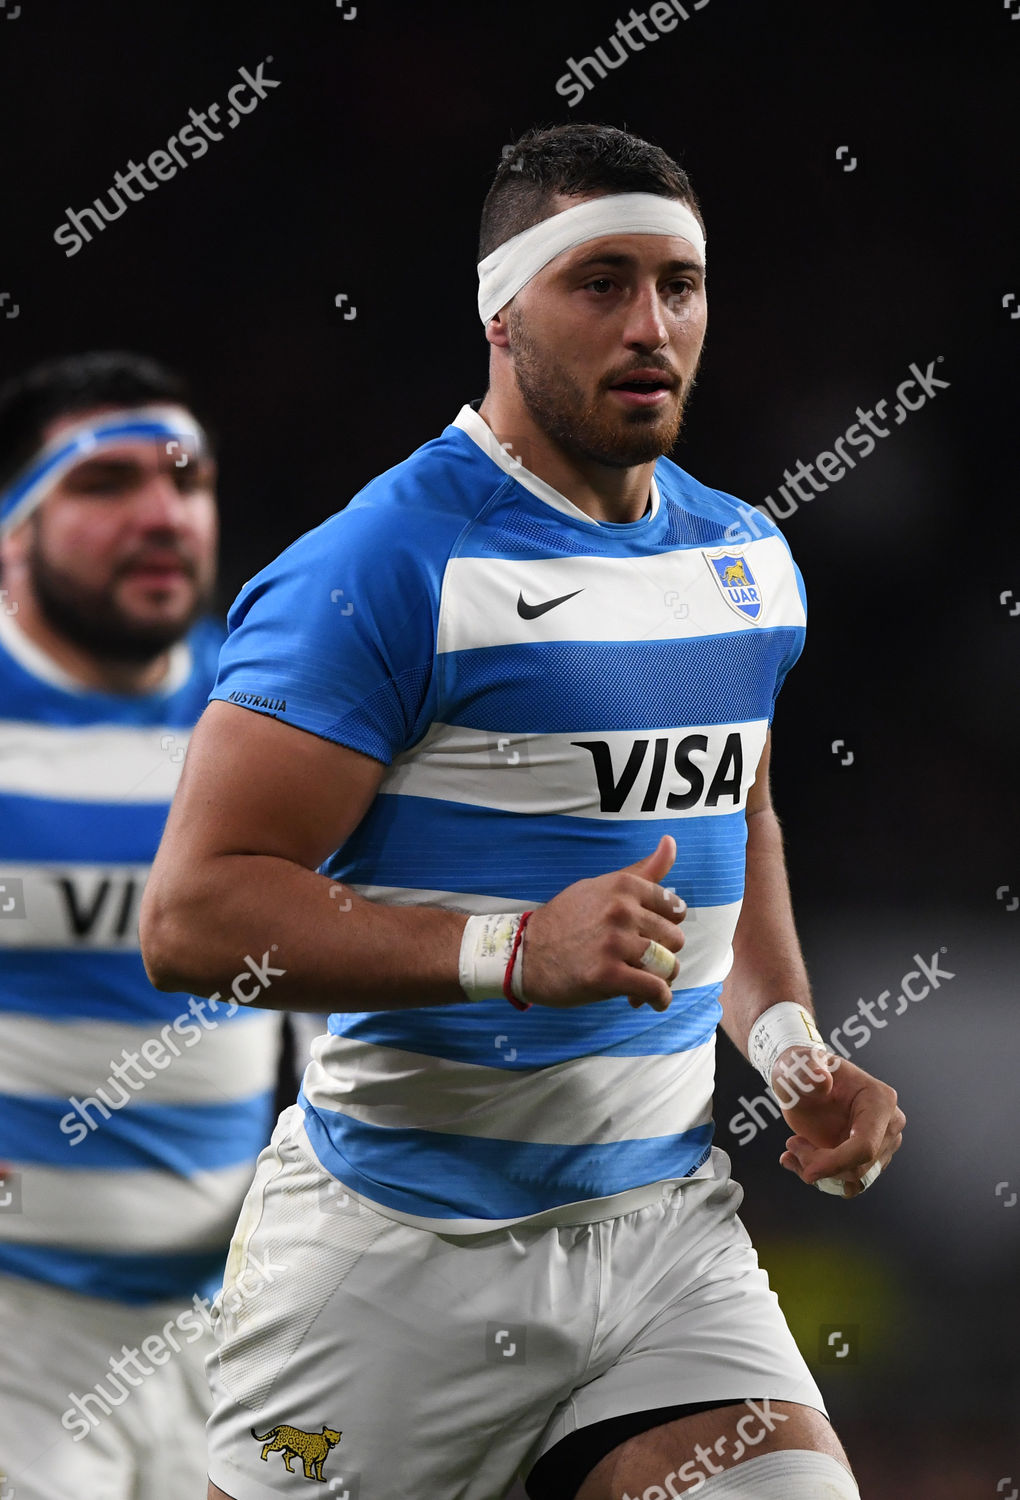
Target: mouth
{"points": [[155, 571], [653, 391]]}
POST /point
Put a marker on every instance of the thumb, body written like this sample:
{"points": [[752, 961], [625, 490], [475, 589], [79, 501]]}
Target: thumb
{"points": [[659, 863]]}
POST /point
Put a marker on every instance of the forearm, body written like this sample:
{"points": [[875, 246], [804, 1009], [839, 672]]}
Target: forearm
{"points": [[338, 951], [768, 966]]}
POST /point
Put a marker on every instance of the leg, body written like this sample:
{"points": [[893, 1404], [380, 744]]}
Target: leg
{"points": [[681, 1455], [695, 1327]]}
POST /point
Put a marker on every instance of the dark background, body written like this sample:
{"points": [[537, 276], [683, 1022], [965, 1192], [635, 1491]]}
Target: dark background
{"points": [[364, 173]]}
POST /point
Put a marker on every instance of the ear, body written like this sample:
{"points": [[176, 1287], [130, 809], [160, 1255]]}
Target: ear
{"points": [[496, 329]]}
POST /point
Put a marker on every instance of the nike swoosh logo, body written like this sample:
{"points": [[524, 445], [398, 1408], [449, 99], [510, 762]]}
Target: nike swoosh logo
{"points": [[532, 611]]}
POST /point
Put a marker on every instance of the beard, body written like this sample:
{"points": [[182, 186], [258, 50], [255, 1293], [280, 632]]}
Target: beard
{"points": [[93, 619], [587, 429]]}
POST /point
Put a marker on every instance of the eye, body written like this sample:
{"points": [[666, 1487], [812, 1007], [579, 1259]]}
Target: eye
{"points": [[599, 281], [107, 481], [190, 477]]}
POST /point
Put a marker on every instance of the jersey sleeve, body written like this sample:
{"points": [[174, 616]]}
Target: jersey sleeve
{"points": [[337, 635]]}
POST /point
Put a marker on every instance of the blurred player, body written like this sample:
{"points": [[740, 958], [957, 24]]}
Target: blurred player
{"points": [[129, 1120], [530, 670]]}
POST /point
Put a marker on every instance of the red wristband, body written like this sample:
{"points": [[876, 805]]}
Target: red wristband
{"points": [[507, 991]]}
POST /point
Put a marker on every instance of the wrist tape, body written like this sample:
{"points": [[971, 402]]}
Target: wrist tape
{"points": [[781, 1026], [485, 951]]}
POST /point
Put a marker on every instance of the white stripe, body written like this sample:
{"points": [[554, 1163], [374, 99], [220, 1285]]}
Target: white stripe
{"points": [[476, 905], [706, 957], [71, 906], [136, 1213], [555, 773], [587, 1101], [672, 595], [226, 1062], [104, 763]]}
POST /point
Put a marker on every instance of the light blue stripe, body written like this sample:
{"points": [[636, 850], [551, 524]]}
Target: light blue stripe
{"points": [[425, 843], [46, 830], [135, 1279], [615, 685], [77, 984], [179, 1138], [443, 1176], [542, 1037]]}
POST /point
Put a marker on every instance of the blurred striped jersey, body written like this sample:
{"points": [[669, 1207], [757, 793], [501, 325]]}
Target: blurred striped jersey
{"points": [[130, 1120], [550, 695]]}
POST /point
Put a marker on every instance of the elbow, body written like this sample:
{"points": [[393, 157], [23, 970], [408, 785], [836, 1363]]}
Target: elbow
{"points": [[161, 940]]}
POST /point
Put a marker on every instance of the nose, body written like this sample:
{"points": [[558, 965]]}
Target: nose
{"points": [[159, 504], [646, 324]]}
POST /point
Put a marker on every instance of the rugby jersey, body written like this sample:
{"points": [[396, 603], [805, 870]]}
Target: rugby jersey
{"points": [[550, 694], [130, 1120]]}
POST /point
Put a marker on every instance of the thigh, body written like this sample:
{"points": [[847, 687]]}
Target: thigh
{"points": [[680, 1456], [378, 1358], [692, 1320]]}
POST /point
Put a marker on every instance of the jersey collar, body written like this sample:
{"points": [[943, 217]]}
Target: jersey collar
{"points": [[476, 427]]}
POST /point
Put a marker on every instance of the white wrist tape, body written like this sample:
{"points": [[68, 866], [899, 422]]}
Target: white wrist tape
{"points": [[781, 1026], [485, 952]]}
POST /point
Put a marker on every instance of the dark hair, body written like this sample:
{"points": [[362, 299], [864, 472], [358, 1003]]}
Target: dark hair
{"points": [[579, 160], [76, 382]]}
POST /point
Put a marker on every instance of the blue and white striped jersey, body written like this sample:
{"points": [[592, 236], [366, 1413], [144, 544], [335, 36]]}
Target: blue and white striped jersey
{"points": [[130, 1120], [550, 694]]}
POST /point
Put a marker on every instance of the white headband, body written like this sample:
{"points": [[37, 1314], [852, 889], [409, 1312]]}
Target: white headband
{"points": [[94, 434], [512, 264]]}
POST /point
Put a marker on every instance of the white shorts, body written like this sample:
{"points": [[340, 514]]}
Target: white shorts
{"points": [[140, 1434], [392, 1361]]}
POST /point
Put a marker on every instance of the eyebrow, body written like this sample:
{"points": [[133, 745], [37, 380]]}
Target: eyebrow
{"points": [[621, 259]]}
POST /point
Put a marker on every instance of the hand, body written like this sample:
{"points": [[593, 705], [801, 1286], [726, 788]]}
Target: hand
{"points": [[845, 1120], [587, 943]]}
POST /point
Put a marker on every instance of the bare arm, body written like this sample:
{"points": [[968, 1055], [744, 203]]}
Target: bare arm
{"points": [[262, 804], [845, 1120], [768, 965], [259, 806]]}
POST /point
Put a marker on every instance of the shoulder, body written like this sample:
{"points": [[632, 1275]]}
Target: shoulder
{"points": [[740, 522]]}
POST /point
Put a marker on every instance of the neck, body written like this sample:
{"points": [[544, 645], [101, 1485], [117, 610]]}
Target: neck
{"points": [[87, 670], [604, 493]]}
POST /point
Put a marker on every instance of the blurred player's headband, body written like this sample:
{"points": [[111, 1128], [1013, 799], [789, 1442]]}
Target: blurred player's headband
{"points": [[512, 264], [171, 424]]}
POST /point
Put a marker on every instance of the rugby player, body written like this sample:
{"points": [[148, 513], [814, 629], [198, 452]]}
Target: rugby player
{"points": [[130, 1121], [486, 777]]}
